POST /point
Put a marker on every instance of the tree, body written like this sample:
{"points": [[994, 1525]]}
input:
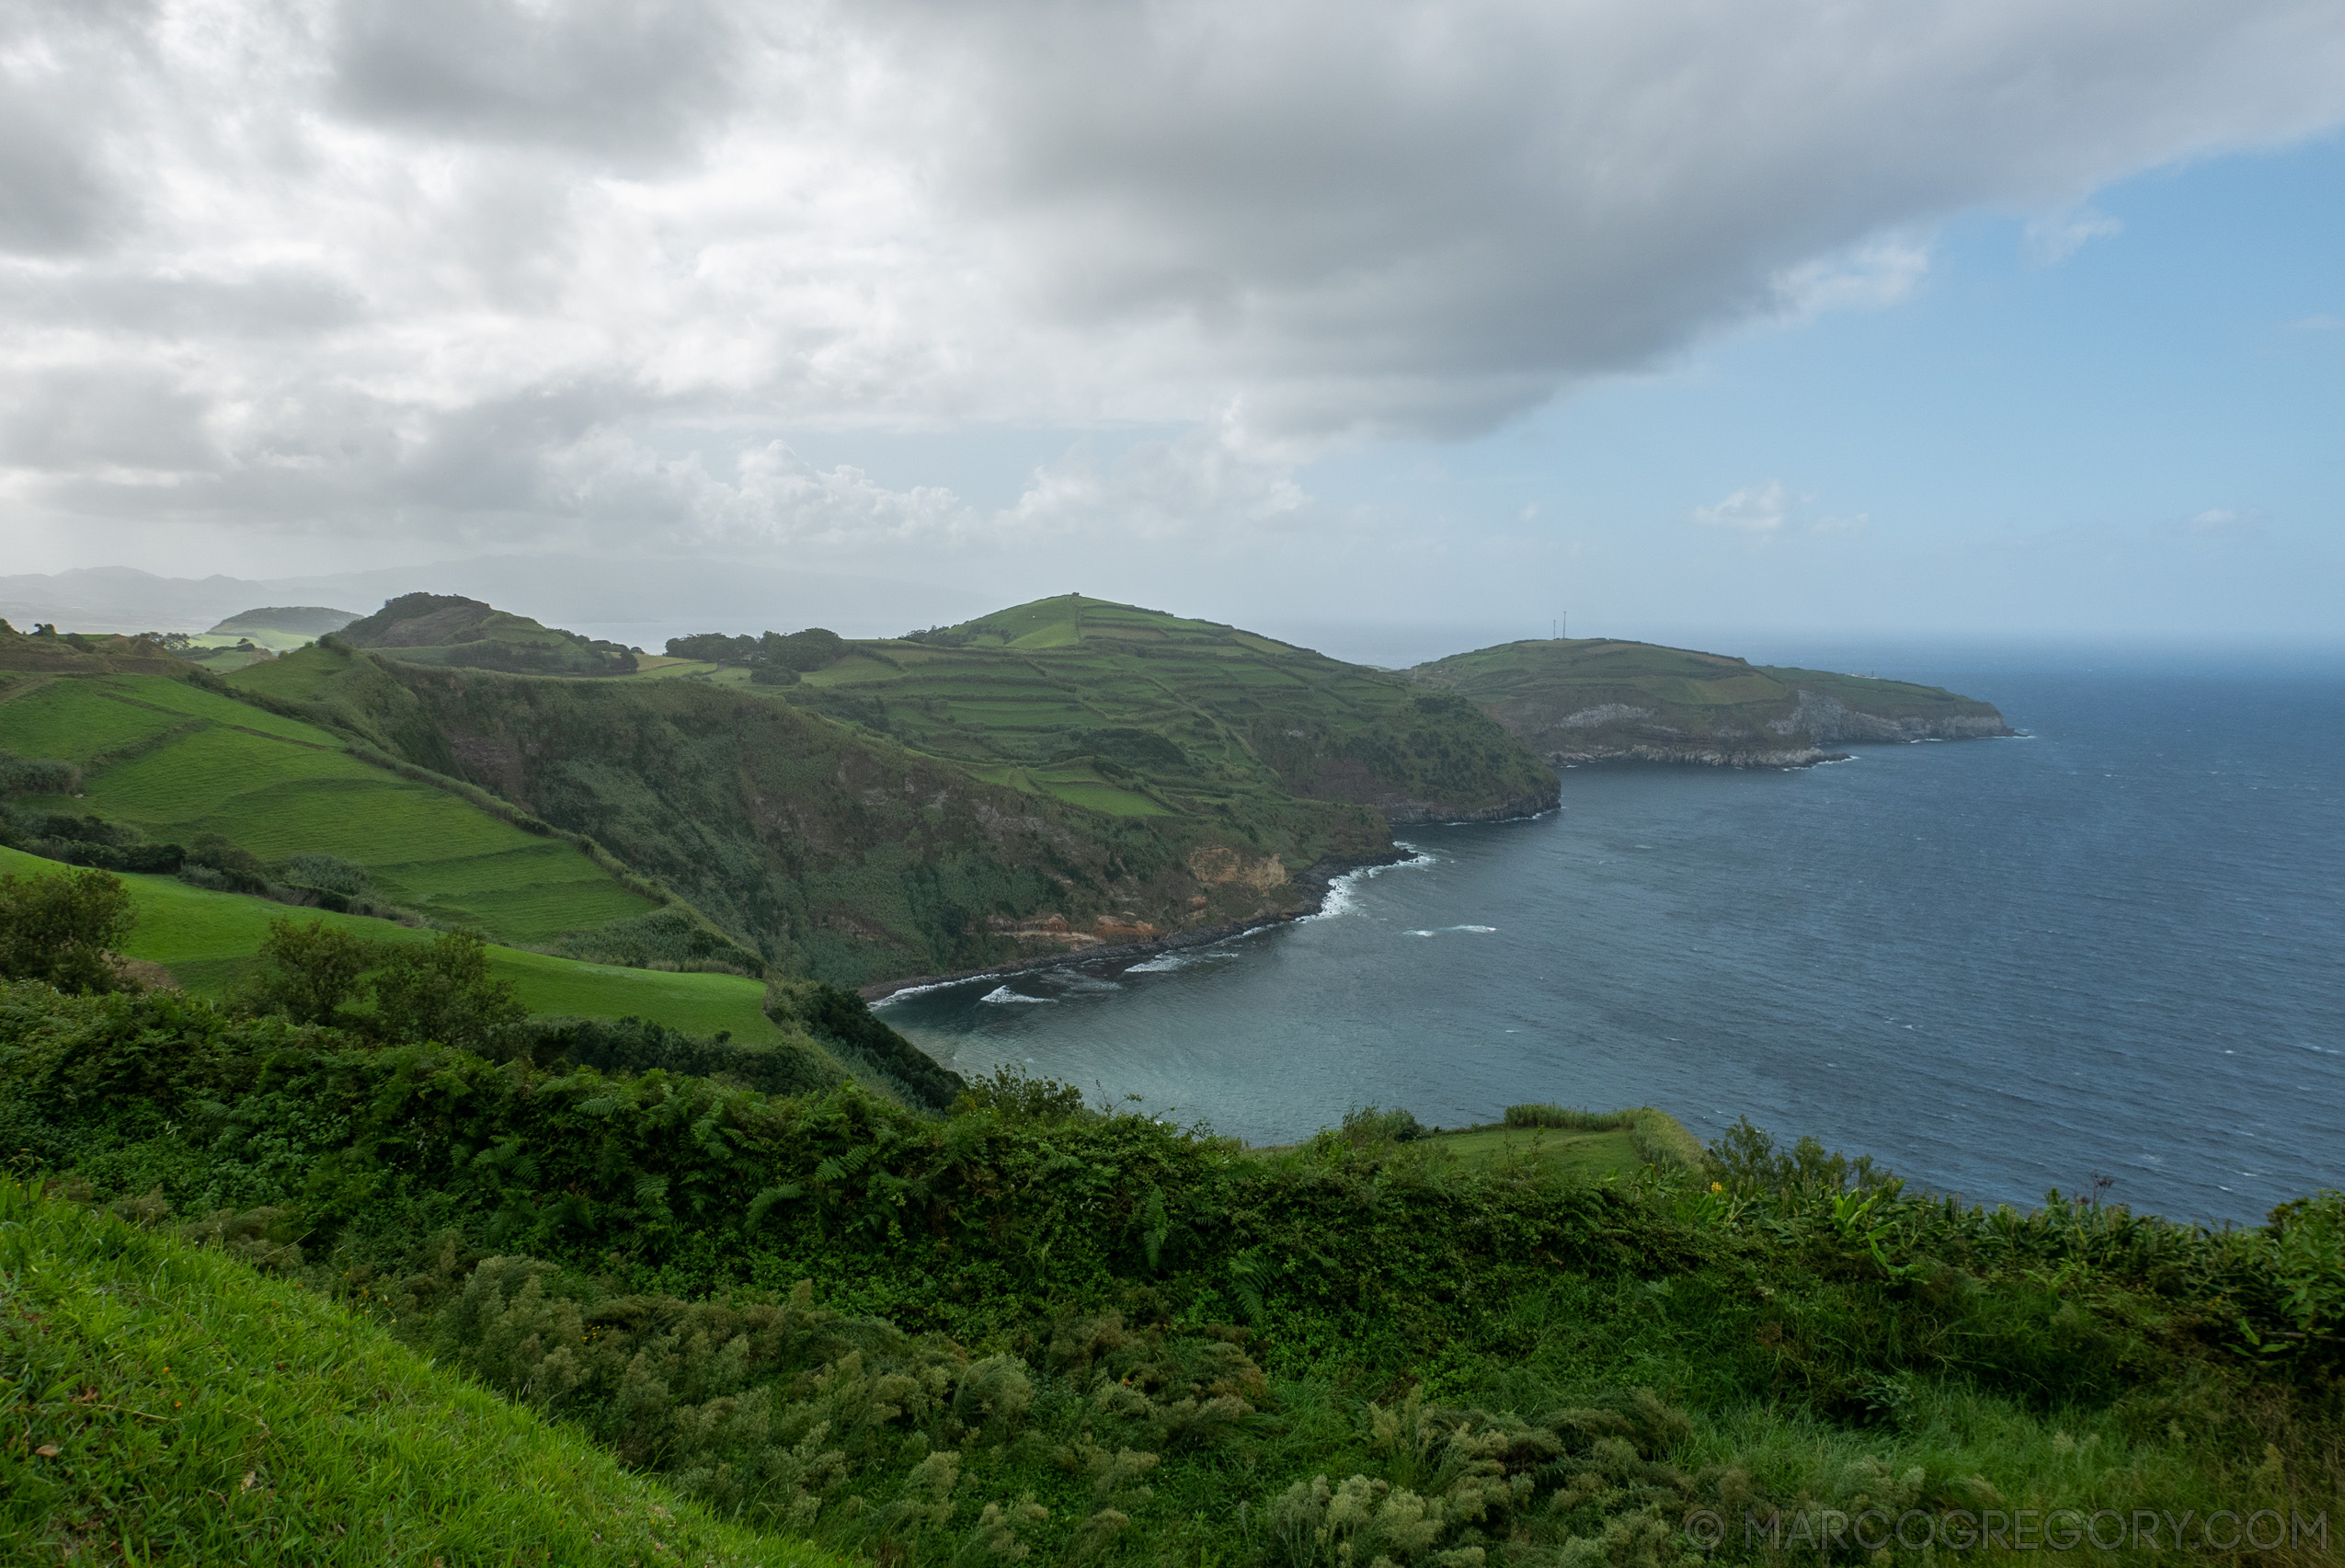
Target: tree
{"points": [[313, 970], [63, 930], [442, 991]]}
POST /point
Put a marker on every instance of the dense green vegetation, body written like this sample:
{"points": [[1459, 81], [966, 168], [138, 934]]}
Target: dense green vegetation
{"points": [[168, 1403], [1060, 776], [447, 629], [783, 1036], [838, 852], [1591, 699], [1096, 1336], [1086, 699]]}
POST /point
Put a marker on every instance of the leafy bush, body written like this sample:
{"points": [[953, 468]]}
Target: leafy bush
{"points": [[1565, 1117], [64, 931], [844, 1022], [1015, 1094], [666, 937], [309, 974], [328, 872], [633, 1045], [37, 775], [439, 990], [1367, 1126]]}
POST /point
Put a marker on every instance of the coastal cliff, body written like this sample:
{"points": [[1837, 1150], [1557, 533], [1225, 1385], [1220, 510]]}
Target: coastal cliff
{"points": [[1596, 700]]}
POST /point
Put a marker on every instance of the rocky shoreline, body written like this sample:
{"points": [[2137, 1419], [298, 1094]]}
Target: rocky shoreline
{"points": [[1314, 883], [1832, 722], [1418, 813]]}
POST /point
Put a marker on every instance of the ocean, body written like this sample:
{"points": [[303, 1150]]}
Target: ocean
{"points": [[2113, 948]]}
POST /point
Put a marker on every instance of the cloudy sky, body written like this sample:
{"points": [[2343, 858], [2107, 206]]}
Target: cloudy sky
{"points": [[2011, 317]]}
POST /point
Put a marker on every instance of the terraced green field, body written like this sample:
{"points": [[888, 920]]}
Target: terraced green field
{"points": [[1133, 712], [178, 760], [207, 939]]}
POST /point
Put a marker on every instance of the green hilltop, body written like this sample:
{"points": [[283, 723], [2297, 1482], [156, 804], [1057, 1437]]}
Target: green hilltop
{"points": [[1582, 700], [434, 628], [1134, 712]]}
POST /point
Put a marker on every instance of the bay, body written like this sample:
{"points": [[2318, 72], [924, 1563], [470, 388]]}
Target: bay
{"points": [[2114, 948]]}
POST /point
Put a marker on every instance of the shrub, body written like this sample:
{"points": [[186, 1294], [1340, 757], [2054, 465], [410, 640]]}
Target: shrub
{"points": [[327, 873], [64, 931], [1017, 1095], [1368, 1125], [1565, 1117], [441, 991], [37, 775], [637, 1044], [311, 973], [844, 1022]]}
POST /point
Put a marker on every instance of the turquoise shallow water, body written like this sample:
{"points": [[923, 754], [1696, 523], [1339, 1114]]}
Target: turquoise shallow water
{"points": [[2115, 946]]}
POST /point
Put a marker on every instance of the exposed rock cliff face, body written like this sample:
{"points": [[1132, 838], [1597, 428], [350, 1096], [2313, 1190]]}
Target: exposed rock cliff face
{"points": [[1407, 813]]}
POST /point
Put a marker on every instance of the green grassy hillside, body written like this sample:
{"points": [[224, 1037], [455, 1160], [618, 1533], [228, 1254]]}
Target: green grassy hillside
{"points": [[1136, 712], [434, 628], [270, 623], [843, 854], [177, 760], [166, 1403], [1591, 699], [208, 939]]}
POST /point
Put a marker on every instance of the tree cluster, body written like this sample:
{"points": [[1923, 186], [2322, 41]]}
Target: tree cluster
{"points": [[813, 648], [64, 931], [437, 991]]}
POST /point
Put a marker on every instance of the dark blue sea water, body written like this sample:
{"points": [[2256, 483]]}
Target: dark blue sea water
{"points": [[2115, 946]]}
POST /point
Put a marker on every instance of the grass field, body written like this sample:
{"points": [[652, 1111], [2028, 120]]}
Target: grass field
{"points": [[207, 939], [178, 760], [1592, 1154], [171, 1404]]}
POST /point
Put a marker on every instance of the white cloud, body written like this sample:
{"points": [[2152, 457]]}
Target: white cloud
{"points": [[2225, 521], [2321, 323], [1753, 508], [457, 267], [2052, 240]]}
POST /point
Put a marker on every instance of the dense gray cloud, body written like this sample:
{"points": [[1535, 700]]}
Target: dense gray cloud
{"points": [[457, 267]]}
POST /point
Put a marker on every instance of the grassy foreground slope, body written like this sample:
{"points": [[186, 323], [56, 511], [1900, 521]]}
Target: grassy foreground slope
{"points": [[165, 1402], [1033, 1332], [176, 760], [1592, 699]]}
